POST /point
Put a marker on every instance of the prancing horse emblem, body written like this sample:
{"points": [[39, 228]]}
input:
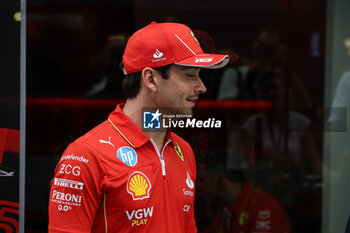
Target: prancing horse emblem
{"points": [[179, 152]]}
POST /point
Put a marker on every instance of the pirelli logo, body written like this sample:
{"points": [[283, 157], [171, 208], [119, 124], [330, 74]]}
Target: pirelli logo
{"points": [[69, 183]]}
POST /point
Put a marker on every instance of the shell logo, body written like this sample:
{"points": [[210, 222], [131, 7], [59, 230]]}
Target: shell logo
{"points": [[138, 186]]}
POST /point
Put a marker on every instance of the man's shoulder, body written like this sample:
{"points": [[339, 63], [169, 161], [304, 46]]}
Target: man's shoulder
{"points": [[91, 140], [265, 200], [93, 133]]}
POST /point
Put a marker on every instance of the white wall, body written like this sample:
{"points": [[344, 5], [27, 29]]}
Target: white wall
{"points": [[336, 191]]}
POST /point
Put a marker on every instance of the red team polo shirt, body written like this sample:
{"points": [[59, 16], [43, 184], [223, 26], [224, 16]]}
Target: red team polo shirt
{"points": [[257, 211], [254, 211], [114, 179]]}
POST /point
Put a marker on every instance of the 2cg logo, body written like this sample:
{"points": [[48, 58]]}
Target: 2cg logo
{"points": [[69, 169], [9, 212]]}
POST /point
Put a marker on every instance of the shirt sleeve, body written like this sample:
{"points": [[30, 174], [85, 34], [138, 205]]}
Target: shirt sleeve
{"points": [[76, 191]]}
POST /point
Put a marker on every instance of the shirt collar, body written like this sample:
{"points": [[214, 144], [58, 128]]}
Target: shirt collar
{"points": [[131, 132]]}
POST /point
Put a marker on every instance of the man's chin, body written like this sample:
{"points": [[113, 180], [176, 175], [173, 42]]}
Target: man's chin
{"points": [[186, 111]]}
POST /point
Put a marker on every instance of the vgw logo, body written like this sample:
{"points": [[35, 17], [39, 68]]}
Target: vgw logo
{"points": [[140, 217], [151, 119]]}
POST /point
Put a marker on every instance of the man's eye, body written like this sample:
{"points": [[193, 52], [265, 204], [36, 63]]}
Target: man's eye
{"points": [[191, 75]]}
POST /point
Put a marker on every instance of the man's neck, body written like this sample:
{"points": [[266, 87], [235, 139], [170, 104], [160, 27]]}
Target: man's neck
{"points": [[236, 189], [133, 110], [158, 137]]}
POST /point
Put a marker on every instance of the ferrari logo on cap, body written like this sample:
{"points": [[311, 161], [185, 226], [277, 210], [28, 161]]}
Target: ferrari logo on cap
{"points": [[179, 152], [194, 37]]}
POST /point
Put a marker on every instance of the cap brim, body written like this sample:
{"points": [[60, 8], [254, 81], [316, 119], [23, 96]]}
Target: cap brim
{"points": [[207, 60]]}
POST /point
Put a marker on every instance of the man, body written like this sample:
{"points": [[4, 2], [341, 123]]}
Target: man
{"points": [[240, 207], [121, 178]]}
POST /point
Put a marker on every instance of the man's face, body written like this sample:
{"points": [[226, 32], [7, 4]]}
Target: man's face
{"points": [[181, 89]]}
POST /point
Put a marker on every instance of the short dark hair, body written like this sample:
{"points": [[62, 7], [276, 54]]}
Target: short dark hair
{"points": [[131, 82], [235, 175]]}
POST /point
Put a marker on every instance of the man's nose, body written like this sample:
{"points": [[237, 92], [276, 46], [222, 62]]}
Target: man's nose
{"points": [[200, 87]]}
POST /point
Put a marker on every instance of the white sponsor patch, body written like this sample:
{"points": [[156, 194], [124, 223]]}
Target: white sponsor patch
{"points": [[66, 198], [207, 59], [76, 158], [188, 192], [69, 183], [64, 208], [69, 169], [160, 59], [264, 214], [140, 213], [189, 181], [262, 225], [106, 142], [157, 54], [139, 217], [186, 208]]}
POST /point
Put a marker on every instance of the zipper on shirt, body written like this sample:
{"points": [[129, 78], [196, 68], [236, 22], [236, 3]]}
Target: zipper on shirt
{"points": [[160, 155]]}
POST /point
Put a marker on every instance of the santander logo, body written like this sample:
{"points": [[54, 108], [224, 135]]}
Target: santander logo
{"points": [[157, 54], [189, 181]]}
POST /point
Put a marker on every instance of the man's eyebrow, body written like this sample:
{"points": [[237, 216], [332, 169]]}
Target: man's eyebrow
{"points": [[190, 67]]}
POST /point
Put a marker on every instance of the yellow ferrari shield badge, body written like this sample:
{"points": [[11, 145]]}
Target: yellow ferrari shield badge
{"points": [[179, 152], [194, 37], [243, 218]]}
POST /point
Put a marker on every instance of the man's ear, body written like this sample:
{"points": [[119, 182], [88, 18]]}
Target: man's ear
{"points": [[150, 78]]}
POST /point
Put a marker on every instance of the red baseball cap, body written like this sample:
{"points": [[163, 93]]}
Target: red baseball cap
{"points": [[160, 44]]}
